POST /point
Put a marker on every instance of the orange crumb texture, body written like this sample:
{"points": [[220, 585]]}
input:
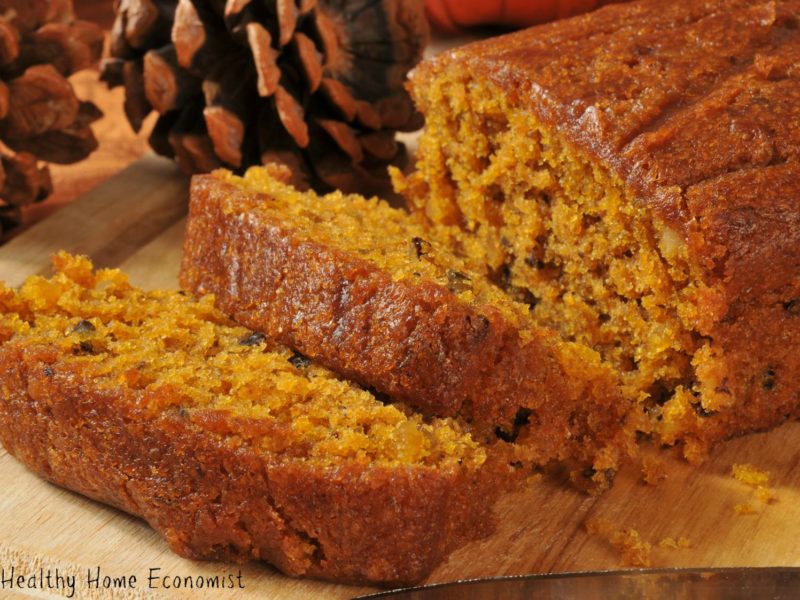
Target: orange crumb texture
{"points": [[757, 479], [750, 475], [194, 357], [654, 470], [673, 544], [634, 551]]}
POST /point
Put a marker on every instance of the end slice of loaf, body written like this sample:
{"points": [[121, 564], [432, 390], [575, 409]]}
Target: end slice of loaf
{"points": [[365, 290], [636, 170], [231, 446]]}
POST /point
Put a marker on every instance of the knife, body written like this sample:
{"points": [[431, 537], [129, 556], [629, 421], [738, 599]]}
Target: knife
{"points": [[770, 583]]}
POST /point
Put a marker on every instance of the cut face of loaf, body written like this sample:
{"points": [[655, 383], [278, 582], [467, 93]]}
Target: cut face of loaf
{"points": [[365, 290], [634, 174], [231, 446]]}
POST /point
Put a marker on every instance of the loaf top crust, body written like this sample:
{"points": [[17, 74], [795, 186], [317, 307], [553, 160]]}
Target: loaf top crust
{"points": [[669, 96]]}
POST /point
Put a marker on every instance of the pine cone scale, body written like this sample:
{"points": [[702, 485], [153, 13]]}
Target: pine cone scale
{"points": [[68, 145], [63, 147], [63, 45], [306, 6], [379, 145], [368, 116], [339, 96], [136, 105], [189, 140], [329, 40], [25, 182], [292, 116], [287, 20], [141, 17], [234, 7], [41, 100], [344, 138], [226, 131], [166, 85], [188, 33], [310, 59], [9, 42], [265, 59]]}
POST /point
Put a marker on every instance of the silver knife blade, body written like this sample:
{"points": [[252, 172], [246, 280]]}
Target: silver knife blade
{"points": [[770, 583]]}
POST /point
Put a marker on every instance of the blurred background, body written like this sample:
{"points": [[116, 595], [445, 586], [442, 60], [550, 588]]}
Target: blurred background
{"points": [[453, 22], [119, 145]]}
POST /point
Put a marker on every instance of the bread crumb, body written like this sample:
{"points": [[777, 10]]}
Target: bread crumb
{"points": [[750, 475], [653, 470], [745, 509], [766, 495], [634, 552], [758, 480], [673, 544]]}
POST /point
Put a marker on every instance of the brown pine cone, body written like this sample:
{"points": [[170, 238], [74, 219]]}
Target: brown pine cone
{"points": [[315, 84], [41, 119]]}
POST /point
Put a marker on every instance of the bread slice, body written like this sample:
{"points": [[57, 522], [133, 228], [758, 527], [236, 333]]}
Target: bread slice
{"points": [[366, 291], [231, 446], [636, 171]]}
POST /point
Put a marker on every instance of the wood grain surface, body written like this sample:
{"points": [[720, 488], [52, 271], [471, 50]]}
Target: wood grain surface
{"points": [[135, 220]]}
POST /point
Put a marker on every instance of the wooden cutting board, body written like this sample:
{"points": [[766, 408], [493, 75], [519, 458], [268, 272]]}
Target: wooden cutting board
{"points": [[136, 221]]}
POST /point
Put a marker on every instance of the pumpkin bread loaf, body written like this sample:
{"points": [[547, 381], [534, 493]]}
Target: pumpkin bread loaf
{"points": [[366, 291], [635, 174], [229, 445]]}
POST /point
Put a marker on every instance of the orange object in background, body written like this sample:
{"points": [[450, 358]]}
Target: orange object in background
{"points": [[453, 15]]}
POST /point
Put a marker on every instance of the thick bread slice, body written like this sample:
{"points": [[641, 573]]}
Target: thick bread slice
{"points": [[230, 446], [364, 290]]}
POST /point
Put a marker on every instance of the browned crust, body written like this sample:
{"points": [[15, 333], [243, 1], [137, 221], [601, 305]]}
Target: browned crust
{"points": [[666, 94], [749, 245], [413, 341], [215, 499]]}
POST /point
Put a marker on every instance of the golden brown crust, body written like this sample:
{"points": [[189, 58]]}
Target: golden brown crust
{"points": [[668, 95], [414, 341], [212, 498], [749, 247]]}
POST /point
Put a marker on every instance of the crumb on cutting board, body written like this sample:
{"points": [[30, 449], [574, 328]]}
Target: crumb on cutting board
{"points": [[634, 552], [654, 470], [750, 475], [673, 544], [757, 479]]}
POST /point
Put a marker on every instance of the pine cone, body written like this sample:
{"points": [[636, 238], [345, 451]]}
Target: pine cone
{"points": [[41, 44], [315, 84]]}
